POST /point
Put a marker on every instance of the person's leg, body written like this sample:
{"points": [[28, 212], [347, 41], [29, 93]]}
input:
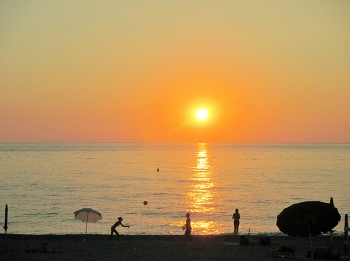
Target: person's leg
{"points": [[113, 231], [110, 237], [188, 234], [236, 224]]}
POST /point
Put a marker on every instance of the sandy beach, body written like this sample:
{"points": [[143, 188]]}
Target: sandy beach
{"points": [[153, 247]]}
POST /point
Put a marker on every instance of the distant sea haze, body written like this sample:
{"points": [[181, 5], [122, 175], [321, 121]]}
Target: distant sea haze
{"points": [[44, 183]]}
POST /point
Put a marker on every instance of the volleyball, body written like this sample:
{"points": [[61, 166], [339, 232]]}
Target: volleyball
{"points": [[145, 202]]}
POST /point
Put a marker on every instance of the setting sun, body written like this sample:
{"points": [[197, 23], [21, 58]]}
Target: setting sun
{"points": [[202, 114]]}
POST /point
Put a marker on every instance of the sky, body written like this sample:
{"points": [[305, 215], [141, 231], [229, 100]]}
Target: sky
{"points": [[137, 71]]}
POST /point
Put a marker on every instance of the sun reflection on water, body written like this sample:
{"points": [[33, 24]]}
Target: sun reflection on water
{"points": [[200, 197]]}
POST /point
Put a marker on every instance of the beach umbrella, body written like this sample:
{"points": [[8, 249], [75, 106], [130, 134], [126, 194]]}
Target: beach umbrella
{"points": [[88, 215], [309, 218], [6, 216]]}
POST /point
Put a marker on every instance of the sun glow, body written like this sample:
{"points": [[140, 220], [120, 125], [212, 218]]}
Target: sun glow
{"points": [[202, 114]]}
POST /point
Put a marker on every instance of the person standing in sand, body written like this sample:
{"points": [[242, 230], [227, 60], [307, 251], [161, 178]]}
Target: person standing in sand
{"points": [[188, 227], [113, 228], [236, 216]]}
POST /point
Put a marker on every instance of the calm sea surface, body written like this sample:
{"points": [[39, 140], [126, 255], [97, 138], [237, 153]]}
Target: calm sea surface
{"points": [[43, 184]]}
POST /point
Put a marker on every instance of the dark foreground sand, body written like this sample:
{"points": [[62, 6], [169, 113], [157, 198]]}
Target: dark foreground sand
{"points": [[98, 247]]}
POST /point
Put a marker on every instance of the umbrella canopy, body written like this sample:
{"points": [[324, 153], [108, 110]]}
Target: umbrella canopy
{"points": [[88, 215], [309, 218]]}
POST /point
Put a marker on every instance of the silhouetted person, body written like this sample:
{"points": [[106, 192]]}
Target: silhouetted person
{"points": [[188, 227], [236, 216], [113, 230]]}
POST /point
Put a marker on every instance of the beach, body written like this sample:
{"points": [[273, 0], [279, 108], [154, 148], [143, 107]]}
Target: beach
{"points": [[153, 247]]}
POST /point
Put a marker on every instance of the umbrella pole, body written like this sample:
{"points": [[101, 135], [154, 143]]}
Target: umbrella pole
{"points": [[346, 235], [310, 238], [87, 220], [6, 215]]}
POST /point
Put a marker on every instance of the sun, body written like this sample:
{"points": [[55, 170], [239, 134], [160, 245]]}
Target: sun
{"points": [[202, 114]]}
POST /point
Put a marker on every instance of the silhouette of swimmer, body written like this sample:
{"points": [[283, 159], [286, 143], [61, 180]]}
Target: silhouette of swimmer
{"points": [[113, 230], [236, 216], [188, 227]]}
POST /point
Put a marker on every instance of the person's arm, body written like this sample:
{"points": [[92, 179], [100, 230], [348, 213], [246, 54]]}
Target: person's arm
{"points": [[123, 225]]}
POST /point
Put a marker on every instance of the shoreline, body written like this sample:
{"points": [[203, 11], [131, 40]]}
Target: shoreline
{"points": [[156, 247], [213, 237]]}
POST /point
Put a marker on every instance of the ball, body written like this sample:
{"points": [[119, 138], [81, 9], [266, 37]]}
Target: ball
{"points": [[145, 202]]}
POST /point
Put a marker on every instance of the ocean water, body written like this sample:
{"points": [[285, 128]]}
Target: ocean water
{"points": [[43, 184]]}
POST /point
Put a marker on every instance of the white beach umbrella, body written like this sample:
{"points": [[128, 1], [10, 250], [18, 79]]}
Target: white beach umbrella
{"points": [[88, 215]]}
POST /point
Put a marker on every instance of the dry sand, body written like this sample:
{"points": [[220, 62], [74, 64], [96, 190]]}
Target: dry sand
{"points": [[151, 247]]}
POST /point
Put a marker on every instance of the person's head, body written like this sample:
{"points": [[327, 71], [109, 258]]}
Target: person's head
{"points": [[120, 218], [236, 210], [187, 215]]}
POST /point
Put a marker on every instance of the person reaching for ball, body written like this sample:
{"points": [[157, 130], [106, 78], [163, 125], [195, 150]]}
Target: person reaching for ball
{"points": [[113, 228]]}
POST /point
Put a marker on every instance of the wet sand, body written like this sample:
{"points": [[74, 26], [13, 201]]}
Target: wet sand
{"points": [[153, 247]]}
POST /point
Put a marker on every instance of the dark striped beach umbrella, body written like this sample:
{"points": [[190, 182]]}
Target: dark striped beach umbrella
{"points": [[309, 218]]}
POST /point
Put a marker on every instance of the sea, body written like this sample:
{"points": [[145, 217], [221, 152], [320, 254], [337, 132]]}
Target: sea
{"points": [[43, 184]]}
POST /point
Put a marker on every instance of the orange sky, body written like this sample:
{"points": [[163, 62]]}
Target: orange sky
{"points": [[137, 71]]}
